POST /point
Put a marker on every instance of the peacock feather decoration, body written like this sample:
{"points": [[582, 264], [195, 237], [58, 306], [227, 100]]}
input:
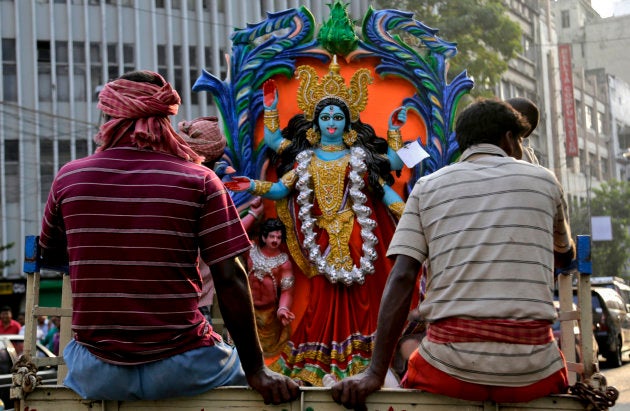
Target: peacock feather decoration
{"points": [[435, 100], [259, 52], [272, 46]]}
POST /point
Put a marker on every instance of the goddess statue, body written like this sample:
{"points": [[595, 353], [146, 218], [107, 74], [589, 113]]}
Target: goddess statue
{"points": [[336, 200]]}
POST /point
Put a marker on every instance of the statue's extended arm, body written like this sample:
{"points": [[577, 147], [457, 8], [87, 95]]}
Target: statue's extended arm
{"points": [[393, 200], [397, 119], [265, 189], [287, 282], [272, 134]]}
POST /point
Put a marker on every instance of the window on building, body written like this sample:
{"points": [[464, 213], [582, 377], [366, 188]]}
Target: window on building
{"points": [[46, 166], [62, 83], [161, 55], [588, 118], [582, 159], [594, 165], [78, 52], [9, 71], [112, 62], [65, 155], [80, 70], [600, 123], [566, 19], [44, 83], [81, 148], [623, 135], [11, 170], [579, 114], [43, 51], [505, 90], [128, 57], [80, 79], [95, 53], [175, 4], [528, 50]]}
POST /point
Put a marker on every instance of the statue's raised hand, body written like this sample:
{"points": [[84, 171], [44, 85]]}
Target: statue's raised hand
{"points": [[270, 95], [238, 183], [398, 118]]}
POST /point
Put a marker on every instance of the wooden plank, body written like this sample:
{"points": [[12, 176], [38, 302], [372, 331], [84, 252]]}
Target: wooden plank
{"points": [[57, 398]]}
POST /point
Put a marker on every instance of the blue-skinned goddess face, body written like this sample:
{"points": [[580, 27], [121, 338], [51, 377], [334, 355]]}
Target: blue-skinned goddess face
{"points": [[331, 122]]}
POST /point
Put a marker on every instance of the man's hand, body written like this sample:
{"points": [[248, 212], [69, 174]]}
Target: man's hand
{"points": [[352, 392], [274, 388]]}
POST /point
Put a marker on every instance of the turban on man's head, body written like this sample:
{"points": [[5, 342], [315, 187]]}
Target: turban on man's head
{"points": [[138, 111], [204, 136]]}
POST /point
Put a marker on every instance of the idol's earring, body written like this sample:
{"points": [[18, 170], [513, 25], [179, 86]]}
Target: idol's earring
{"points": [[350, 137], [313, 136]]}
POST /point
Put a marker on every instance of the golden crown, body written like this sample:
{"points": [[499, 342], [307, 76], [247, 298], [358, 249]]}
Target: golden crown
{"points": [[311, 91]]}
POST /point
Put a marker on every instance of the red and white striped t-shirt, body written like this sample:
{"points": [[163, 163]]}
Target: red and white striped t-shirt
{"points": [[134, 222]]}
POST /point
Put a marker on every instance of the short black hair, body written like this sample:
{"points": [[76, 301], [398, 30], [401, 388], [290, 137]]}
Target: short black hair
{"points": [[270, 225], [143, 76], [6, 308], [486, 121], [528, 109]]}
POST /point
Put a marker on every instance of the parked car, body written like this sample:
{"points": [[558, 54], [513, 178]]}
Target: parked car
{"points": [[616, 283], [611, 322], [11, 347]]}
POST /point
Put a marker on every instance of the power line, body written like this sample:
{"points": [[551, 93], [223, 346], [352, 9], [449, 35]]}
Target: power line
{"points": [[46, 113]]}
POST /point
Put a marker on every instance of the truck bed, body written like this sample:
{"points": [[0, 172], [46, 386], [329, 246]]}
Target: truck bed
{"points": [[59, 398]]}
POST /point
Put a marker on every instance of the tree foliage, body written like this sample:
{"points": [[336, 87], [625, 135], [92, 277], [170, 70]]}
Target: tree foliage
{"points": [[612, 199], [6, 263], [485, 35]]}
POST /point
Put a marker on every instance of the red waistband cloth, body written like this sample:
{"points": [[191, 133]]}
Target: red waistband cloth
{"points": [[452, 330], [423, 376], [139, 116]]}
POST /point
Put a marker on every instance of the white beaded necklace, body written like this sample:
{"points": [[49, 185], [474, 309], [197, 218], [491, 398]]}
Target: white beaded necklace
{"points": [[361, 211]]}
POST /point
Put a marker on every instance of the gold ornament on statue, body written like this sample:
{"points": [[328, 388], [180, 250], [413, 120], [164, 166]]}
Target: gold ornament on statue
{"points": [[260, 187], [271, 120], [394, 139], [311, 91], [313, 136], [350, 137]]}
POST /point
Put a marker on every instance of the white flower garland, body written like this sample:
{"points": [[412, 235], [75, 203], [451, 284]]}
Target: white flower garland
{"points": [[361, 211]]}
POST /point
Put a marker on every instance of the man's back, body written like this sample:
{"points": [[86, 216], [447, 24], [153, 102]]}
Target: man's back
{"points": [[134, 221], [490, 217], [489, 224]]}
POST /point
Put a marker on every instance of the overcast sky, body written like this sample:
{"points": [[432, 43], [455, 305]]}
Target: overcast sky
{"points": [[603, 7]]}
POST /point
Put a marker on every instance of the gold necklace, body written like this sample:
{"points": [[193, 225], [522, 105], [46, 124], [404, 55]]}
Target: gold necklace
{"points": [[332, 147]]}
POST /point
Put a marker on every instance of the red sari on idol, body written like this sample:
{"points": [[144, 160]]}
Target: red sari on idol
{"points": [[336, 333]]}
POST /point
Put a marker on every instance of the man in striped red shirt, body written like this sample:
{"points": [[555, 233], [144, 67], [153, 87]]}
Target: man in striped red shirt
{"points": [[131, 220], [491, 228]]}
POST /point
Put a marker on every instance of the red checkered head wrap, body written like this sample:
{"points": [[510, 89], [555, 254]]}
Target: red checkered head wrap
{"points": [[204, 136], [139, 115]]}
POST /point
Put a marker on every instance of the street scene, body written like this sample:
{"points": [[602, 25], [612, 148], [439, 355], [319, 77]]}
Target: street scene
{"points": [[309, 204]]}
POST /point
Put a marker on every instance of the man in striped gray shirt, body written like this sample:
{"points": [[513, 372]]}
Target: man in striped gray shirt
{"points": [[491, 228]]}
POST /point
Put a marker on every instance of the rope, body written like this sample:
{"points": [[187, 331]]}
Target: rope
{"points": [[595, 392], [25, 377]]}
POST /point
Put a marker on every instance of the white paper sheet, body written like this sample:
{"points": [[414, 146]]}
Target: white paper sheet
{"points": [[412, 154]]}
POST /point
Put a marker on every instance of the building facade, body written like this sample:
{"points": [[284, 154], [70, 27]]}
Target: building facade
{"points": [[56, 53], [600, 78]]}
